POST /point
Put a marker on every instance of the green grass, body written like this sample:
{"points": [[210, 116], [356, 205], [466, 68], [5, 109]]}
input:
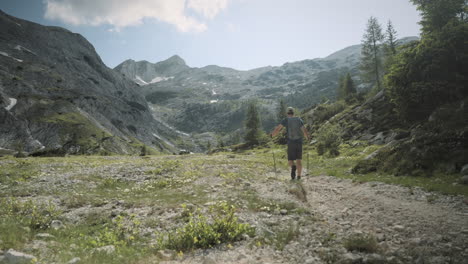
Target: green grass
{"points": [[164, 183], [341, 165]]}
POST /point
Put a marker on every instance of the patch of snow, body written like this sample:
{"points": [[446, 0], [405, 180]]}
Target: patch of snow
{"points": [[20, 48], [39, 144], [214, 101], [159, 79], [163, 139], [139, 80], [213, 92], [12, 104], [18, 24], [6, 55], [204, 83]]}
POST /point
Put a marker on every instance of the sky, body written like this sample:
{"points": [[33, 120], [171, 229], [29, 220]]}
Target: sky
{"points": [[240, 34]]}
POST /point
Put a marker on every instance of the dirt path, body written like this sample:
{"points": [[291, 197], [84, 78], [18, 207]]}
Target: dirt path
{"points": [[408, 225], [388, 223]]}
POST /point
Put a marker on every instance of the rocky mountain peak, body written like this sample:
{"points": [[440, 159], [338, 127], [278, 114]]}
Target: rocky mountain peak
{"points": [[175, 59]]}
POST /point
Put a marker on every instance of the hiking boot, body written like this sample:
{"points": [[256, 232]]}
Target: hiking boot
{"points": [[293, 172], [298, 177]]}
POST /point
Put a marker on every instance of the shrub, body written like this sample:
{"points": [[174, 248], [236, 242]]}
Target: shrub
{"points": [[329, 140], [362, 243], [34, 215], [205, 232]]}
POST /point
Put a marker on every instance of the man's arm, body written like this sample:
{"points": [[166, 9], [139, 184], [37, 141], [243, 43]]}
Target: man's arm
{"points": [[277, 130], [306, 134]]}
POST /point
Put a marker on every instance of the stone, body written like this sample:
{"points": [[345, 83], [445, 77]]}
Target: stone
{"points": [[209, 260], [464, 180], [44, 236], [165, 254], [106, 249], [283, 211], [464, 170], [15, 257], [374, 258], [399, 228], [311, 261], [74, 261], [380, 237], [350, 258], [56, 224]]}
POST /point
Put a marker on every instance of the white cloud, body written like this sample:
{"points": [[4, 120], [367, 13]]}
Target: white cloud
{"points": [[123, 13], [207, 8]]}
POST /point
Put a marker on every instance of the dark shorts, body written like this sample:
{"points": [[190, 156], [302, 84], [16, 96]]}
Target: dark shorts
{"points": [[294, 150]]}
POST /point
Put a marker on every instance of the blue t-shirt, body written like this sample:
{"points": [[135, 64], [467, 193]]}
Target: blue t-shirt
{"points": [[293, 127]]}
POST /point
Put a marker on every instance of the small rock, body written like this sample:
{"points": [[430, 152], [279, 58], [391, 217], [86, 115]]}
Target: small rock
{"points": [[166, 254], [464, 180], [415, 241], [74, 261], [15, 257], [380, 237], [209, 260], [56, 224], [374, 258], [44, 236], [106, 249], [464, 170], [311, 261], [399, 228], [283, 211], [350, 258]]}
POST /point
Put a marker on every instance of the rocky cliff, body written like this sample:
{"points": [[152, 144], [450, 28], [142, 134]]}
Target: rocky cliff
{"points": [[57, 95]]}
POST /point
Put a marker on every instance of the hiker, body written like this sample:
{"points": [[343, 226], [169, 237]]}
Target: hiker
{"points": [[294, 130]]}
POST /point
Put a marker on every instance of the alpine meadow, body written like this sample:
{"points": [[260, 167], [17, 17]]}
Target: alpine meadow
{"points": [[359, 156]]}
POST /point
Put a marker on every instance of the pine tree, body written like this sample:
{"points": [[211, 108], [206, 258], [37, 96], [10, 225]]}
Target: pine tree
{"points": [[437, 13], [341, 92], [252, 125], [390, 39], [348, 87], [281, 111], [370, 60]]}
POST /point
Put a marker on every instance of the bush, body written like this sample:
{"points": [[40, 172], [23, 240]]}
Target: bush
{"points": [[362, 243], [323, 112], [429, 73], [329, 140], [35, 215], [220, 226]]}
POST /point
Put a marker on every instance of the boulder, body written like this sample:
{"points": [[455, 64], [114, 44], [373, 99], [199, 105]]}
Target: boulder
{"points": [[15, 257], [464, 170]]}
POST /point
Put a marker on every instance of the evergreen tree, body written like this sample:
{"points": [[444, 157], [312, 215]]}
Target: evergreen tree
{"points": [[341, 92], [437, 13], [346, 88], [349, 87], [370, 61], [281, 111], [390, 39], [431, 72], [252, 125]]}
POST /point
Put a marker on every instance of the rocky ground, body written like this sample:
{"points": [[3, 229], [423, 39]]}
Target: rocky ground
{"points": [[321, 219]]}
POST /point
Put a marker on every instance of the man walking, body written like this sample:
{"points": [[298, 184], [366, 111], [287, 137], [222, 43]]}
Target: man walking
{"points": [[295, 129]]}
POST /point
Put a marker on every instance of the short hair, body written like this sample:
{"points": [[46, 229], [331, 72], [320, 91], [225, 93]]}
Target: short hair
{"points": [[290, 111]]}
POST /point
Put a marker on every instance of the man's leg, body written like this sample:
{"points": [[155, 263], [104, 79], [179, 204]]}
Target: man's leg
{"points": [[293, 168], [299, 168]]}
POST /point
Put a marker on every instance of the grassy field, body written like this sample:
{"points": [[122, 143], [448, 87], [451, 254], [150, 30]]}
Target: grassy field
{"points": [[138, 205]]}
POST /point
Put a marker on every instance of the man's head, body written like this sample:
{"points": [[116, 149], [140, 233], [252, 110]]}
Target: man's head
{"points": [[290, 111]]}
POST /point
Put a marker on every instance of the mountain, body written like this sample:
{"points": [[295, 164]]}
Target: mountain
{"points": [[56, 95], [214, 98]]}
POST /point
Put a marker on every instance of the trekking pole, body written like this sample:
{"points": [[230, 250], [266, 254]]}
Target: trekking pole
{"points": [[308, 174], [274, 162]]}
